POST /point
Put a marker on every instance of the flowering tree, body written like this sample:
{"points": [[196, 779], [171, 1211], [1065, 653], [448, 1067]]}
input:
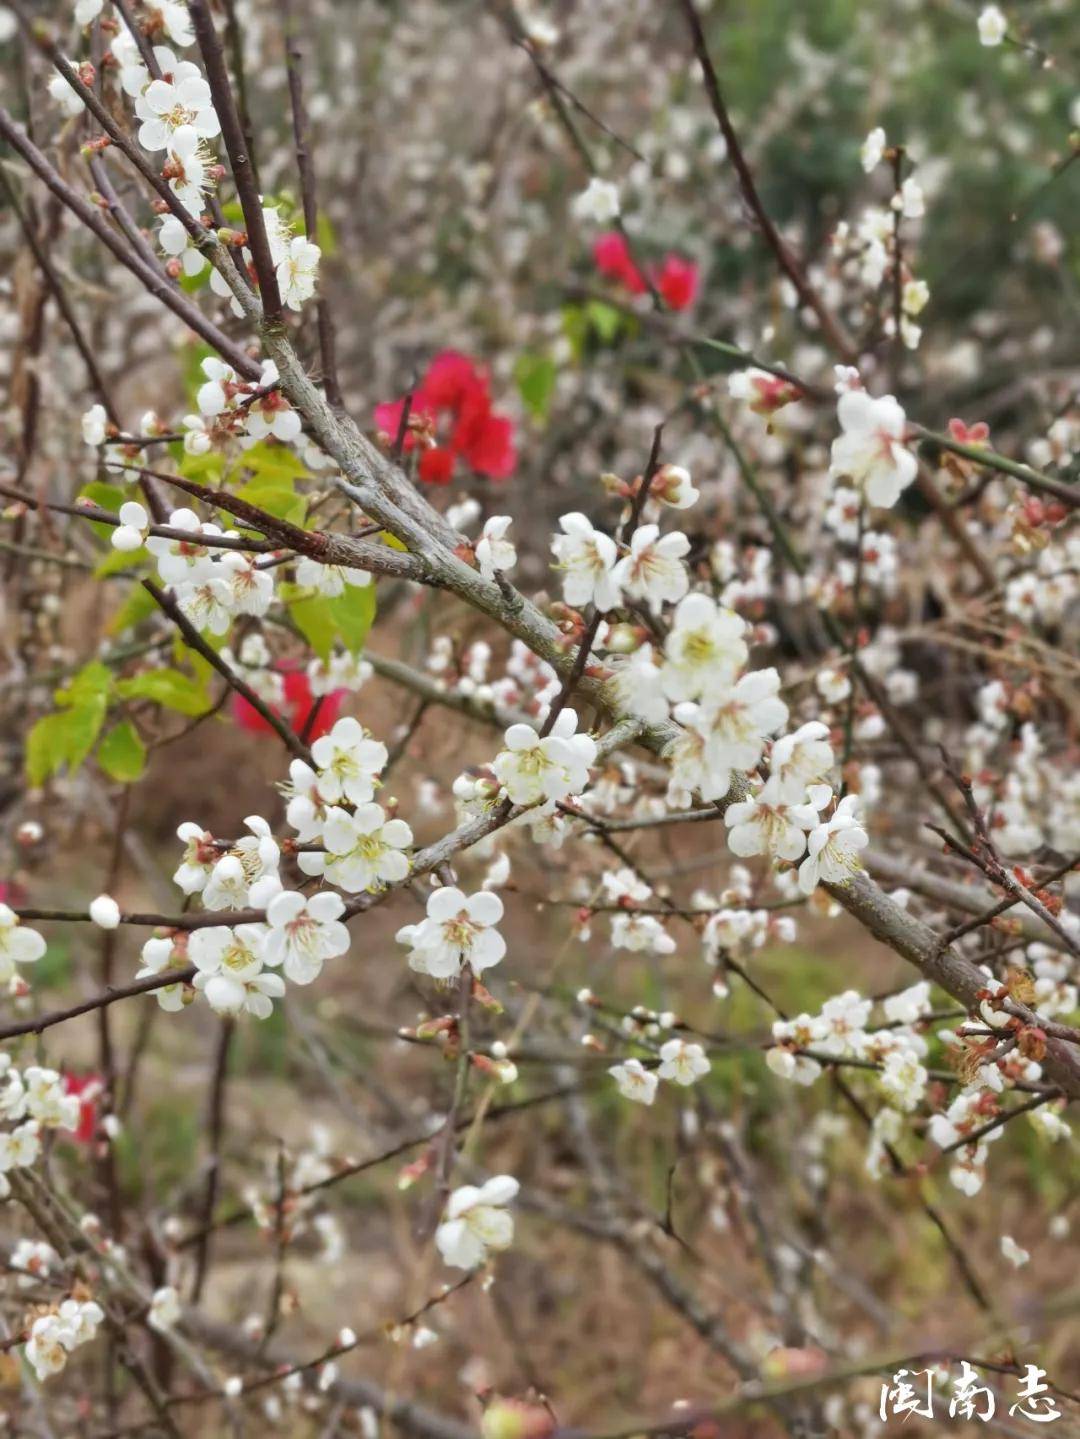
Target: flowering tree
{"points": [[618, 653]]}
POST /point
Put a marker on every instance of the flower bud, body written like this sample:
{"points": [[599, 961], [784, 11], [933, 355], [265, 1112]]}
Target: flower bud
{"points": [[105, 912], [516, 1419]]}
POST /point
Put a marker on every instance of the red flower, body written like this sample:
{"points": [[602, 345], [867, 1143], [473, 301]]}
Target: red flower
{"points": [[451, 380], [675, 278], [612, 256], [299, 702], [456, 388], [88, 1088], [436, 466]]}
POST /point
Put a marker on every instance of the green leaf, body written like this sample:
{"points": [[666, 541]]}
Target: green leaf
{"points": [[122, 754], [192, 354], [90, 686], [312, 617], [326, 235], [276, 462], [63, 738], [191, 283], [276, 497], [138, 603], [106, 497], [353, 613], [605, 320], [117, 561], [168, 687], [535, 376], [207, 469], [576, 329]]}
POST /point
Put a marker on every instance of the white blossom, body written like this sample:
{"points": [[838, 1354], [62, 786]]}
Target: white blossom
{"points": [[297, 272], [635, 687], [531, 769], [796, 761], [493, 550], [653, 571], [1012, 1251], [166, 106], [165, 1309], [870, 451], [833, 848], [303, 932], [873, 149], [992, 26], [329, 580], [598, 202], [682, 1062], [743, 716], [364, 850], [459, 930], [230, 970], [65, 95], [95, 422], [130, 533], [704, 650], [673, 486], [18, 943], [476, 1222], [158, 955], [763, 825], [635, 1081], [587, 558], [349, 761], [642, 933]]}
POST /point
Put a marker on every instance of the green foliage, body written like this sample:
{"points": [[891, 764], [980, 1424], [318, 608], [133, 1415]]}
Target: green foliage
{"points": [[122, 754], [592, 324], [167, 687], [106, 497], [311, 615], [604, 320], [193, 355], [267, 476], [348, 617], [275, 463], [116, 562], [65, 738], [138, 604], [190, 284], [326, 235], [56, 965], [535, 376], [353, 613], [206, 469], [276, 497]]}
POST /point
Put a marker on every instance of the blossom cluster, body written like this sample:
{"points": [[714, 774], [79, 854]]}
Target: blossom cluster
{"points": [[895, 1051], [55, 1334], [681, 1062], [177, 119], [31, 1100]]}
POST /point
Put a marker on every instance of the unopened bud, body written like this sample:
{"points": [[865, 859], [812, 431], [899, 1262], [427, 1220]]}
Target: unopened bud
{"points": [[516, 1419]]}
